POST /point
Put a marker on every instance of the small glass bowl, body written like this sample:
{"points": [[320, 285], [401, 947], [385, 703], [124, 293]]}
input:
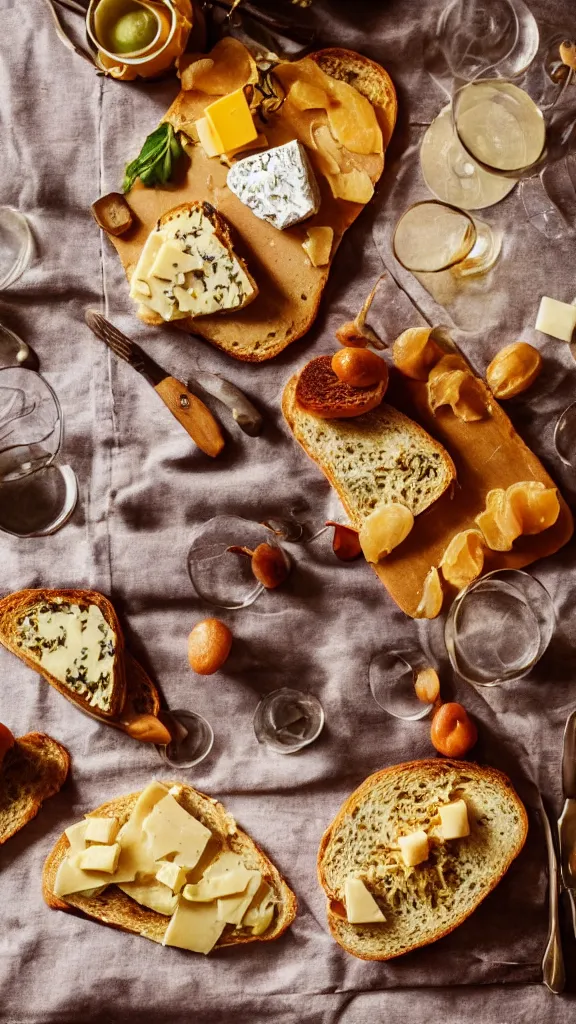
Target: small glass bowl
{"points": [[392, 676], [221, 577], [287, 720], [193, 738]]}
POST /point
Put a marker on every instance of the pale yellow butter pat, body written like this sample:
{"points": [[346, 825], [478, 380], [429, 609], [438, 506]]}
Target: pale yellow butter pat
{"points": [[101, 830], [414, 848], [171, 875], [100, 858], [454, 822], [558, 319], [361, 907]]}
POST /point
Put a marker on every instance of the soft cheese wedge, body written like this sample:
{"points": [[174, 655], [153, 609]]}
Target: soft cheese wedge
{"points": [[189, 268], [414, 851], [177, 870], [73, 638]]}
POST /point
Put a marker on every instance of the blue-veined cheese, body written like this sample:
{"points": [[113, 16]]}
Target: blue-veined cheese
{"points": [[75, 645], [205, 278], [278, 185]]}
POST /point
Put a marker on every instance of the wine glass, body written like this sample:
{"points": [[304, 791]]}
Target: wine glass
{"points": [[36, 496], [432, 237]]}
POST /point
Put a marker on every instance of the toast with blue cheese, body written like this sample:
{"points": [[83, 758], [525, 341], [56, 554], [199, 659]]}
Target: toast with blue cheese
{"points": [[407, 905], [185, 874], [74, 640]]}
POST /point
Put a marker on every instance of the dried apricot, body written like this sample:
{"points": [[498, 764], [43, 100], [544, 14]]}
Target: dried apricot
{"points": [[453, 733], [461, 391], [345, 543], [384, 529], [432, 597], [499, 524], [415, 353], [536, 506], [513, 369], [358, 367], [427, 685], [463, 559], [209, 645]]}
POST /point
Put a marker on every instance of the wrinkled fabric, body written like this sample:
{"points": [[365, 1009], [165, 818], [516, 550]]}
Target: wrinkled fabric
{"points": [[66, 135]]}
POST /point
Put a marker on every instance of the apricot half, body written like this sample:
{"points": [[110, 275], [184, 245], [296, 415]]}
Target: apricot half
{"points": [[453, 733]]}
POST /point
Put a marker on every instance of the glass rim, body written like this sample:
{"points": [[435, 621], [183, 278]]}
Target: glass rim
{"points": [[511, 172], [403, 654], [58, 425], [569, 409], [451, 263], [450, 624]]}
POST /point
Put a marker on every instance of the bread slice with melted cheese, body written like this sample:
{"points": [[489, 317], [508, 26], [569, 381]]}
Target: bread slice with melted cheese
{"points": [[420, 904], [115, 907], [34, 769], [379, 457]]}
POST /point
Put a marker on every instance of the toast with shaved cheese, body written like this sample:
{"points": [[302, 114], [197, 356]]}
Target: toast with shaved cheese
{"points": [[414, 851], [169, 864]]}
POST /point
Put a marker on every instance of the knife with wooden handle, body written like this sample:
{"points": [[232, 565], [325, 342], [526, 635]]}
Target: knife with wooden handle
{"points": [[194, 416]]}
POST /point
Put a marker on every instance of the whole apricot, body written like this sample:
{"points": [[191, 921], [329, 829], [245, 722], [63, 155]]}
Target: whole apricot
{"points": [[359, 367], [453, 732], [6, 740], [209, 645], [146, 729]]}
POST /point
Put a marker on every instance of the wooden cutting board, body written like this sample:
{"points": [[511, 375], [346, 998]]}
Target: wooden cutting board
{"points": [[488, 454]]}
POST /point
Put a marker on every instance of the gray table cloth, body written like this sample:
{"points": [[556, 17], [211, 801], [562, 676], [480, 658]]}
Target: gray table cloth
{"points": [[66, 135]]}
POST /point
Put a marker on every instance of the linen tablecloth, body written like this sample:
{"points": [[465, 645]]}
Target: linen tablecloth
{"points": [[66, 135]]}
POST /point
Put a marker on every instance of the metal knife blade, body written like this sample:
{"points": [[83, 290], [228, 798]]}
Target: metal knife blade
{"points": [[124, 347], [191, 413], [567, 820]]}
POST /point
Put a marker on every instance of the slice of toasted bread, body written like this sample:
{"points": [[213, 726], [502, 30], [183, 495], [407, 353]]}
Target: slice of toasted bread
{"points": [[423, 903], [17, 606], [290, 287], [223, 233], [32, 770], [116, 908], [382, 456], [320, 392]]}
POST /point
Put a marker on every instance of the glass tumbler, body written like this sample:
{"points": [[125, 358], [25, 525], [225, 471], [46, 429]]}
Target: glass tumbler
{"points": [[36, 496], [392, 677], [287, 720], [499, 627], [16, 245]]}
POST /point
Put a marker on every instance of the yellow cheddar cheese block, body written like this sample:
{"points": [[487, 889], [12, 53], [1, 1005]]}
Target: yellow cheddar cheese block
{"points": [[230, 120]]}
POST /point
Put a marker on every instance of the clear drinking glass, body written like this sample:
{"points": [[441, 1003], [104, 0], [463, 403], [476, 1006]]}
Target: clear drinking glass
{"points": [[392, 677], [287, 720], [16, 245], [221, 577], [565, 436], [431, 237], [30, 440], [499, 627], [192, 739]]}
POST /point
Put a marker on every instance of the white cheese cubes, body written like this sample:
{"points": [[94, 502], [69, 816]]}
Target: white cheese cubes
{"points": [[558, 319], [172, 875], [101, 830], [414, 848], [361, 907], [187, 268], [278, 185], [100, 858], [454, 820]]}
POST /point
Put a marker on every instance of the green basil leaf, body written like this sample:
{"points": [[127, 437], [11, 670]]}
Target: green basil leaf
{"points": [[154, 163]]}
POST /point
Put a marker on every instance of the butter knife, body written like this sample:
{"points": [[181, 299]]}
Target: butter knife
{"points": [[190, 412], [567, 820]]}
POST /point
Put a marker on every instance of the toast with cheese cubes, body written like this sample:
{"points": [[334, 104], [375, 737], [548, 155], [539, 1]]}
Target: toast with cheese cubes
{"points": [[202, 882], [32, 769], [414, 851]]}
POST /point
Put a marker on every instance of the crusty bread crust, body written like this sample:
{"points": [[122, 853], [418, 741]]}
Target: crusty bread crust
{"points": [[34, 769], [15, 605], [289, 406], [320, 392], [116, 908], [291, 288], [436, 767]]}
